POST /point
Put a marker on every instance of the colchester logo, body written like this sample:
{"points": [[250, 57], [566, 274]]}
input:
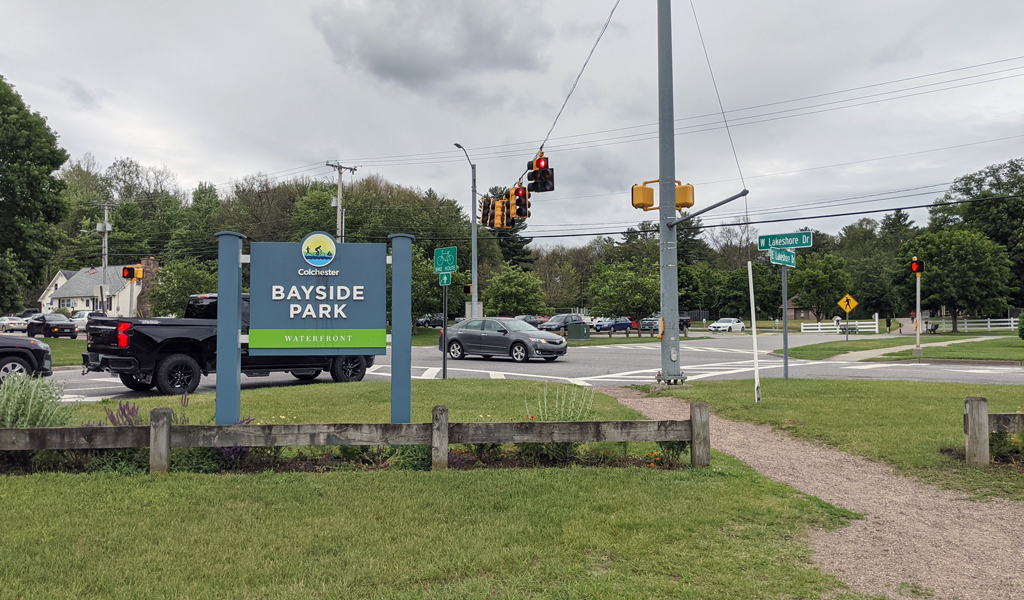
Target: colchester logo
{"points": [[318, 249]]}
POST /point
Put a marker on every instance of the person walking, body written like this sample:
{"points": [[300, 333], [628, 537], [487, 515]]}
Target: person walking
{"points": [[888, 324], [836, 320]]}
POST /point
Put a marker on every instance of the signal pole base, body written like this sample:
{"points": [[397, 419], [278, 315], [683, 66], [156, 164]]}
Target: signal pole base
{"points": [[672, 380], [918, 352]]}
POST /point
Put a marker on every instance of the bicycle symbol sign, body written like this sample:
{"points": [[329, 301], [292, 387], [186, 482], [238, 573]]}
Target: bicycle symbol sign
{"points": [[445, 260]]}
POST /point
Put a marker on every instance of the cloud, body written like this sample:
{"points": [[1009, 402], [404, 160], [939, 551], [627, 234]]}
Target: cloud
{"points": [[82, 97], [434, 47]]}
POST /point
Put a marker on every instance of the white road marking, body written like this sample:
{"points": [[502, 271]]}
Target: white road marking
{"points": [[870, 366], [495, 374], [430, 373]]}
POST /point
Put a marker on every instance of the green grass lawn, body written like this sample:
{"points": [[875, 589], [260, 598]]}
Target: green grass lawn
{"points": [[1003, 348], [903, 423], [597, 532], [829, 349], [723, 532], [65, 351]]}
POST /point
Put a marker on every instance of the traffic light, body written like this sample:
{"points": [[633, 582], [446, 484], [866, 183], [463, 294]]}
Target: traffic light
{"points": [[486, 209], [522, 196], [643, 197], [541, 175], [508, 215], [132, 273], [917, 266], [684, 196], [467, 289]]}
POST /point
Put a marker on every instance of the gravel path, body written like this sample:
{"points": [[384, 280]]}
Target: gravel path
{"points": [[912, 533]]}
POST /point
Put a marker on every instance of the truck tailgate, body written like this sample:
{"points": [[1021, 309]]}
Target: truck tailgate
{"points": [[102, 334]]}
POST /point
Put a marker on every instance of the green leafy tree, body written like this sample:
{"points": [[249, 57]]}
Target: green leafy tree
{"points": [[12, 280], [818, 282], [197, 226], [30, 202], [965, 272], [514, 292], [767, 293], [178, 280], [625, 290]]}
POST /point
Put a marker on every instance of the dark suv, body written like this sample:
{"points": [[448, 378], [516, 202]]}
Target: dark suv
{"points": [[51, 325], [25, 356], [559, 322]]}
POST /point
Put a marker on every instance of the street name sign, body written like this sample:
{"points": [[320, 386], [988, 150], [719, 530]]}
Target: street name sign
{"points": [[782, 256], [445, 260], [800, 239], [847, 303], [444, 278]]}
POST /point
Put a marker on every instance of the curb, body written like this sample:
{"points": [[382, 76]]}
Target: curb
{"points": [[953, 361]]}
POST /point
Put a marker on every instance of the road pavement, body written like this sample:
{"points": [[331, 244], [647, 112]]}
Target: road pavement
{"points": [[725, 356]]}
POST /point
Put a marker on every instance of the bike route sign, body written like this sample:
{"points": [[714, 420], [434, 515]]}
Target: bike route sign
{"points": [[318, 297], [445, 260], [800, 239]]}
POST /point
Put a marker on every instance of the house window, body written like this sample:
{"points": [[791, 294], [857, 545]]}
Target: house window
{"points": [[67, 303]]}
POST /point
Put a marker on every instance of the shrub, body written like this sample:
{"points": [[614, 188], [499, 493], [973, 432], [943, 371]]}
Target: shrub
{"points": [[670, 452], [565, 403], [1020, 326], [32, 402], [412, 458]]}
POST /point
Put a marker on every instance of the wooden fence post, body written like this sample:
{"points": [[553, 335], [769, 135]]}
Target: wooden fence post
{"points": [[700, 446], [977, 431], [439, 438], [160, 440]]}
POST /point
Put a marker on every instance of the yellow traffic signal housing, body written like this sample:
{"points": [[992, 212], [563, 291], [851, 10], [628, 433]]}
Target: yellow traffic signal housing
{"points": [[643, 196], [684, 196]]}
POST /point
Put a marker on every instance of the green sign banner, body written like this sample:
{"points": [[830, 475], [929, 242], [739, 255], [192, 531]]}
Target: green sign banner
{"points": [[444, 279], [317, 338], [782, 256], [800, 239], [445, 260]]}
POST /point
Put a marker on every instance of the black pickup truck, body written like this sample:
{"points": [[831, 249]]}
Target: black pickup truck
{"points": [[174, 354]]}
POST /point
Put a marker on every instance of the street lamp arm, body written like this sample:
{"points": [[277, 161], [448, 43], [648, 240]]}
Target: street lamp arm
{"points": [[712, 207]]}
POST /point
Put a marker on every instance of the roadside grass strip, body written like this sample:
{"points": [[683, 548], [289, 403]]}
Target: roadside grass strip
{"points": [[915, 426], [65, 351], [829, 349], [1004, 348], [722, 532]]}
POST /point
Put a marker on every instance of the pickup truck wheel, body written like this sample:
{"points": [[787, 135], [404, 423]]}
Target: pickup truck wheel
{"points": [[306, 376], [345, 369], [133, 382], [13, 365], [177, 373]]}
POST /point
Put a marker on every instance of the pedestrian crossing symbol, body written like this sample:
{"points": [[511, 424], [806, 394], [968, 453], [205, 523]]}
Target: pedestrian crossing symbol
{"points": [[847, 303]]}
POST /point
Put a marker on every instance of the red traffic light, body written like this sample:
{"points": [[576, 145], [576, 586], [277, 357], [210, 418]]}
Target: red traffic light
{"points": [[917, 266], [520, 192], [128, 272], [540, 163]]}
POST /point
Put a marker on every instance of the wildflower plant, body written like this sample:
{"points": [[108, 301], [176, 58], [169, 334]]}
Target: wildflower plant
{"points": [[32, 402]]}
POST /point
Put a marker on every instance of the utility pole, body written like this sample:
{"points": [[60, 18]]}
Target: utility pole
{"points": [[340, 234], [473, 310], [104, 228], [670, 370]]}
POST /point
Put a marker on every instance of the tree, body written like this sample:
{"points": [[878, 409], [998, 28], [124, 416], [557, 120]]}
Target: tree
{"points": [[514, 292], [734, 245], [624, 289], [12, 280], [197, 225], [965, 272], [818, 282], [30, 202], [178, 280]]}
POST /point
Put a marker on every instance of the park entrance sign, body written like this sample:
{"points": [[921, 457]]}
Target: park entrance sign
{"points": [[318, 297]]}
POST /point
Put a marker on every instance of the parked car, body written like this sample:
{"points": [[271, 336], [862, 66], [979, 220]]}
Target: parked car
{"points": [[559, 322], [25, 356], [81, 318], [12, 323], [435, 320], [532, 320], [598, 321], [51, 325], [502, 337], [28, 312], [654, 322], [616, 324], [727, 324]]}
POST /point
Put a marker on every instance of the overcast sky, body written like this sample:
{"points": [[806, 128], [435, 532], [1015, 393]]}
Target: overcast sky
{"points": [[216, 91]]}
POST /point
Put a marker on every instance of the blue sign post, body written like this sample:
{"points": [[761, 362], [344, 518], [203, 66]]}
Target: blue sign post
{"points": [[229, 326], [401, 327]]}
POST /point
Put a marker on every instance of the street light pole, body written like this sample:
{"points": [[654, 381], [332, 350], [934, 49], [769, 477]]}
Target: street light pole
{"points": [[472, 224], [670, 369]]}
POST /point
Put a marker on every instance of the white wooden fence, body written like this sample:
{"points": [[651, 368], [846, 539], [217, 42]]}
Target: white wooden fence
{"points": [[975, 324], [830, 326]]}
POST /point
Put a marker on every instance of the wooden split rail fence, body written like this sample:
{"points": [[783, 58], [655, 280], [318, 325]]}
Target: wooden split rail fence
{"points": [[160, 436], [978, 424]]}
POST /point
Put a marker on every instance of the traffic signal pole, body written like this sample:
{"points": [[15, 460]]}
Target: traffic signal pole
{"points": [[918, 351], [670, 370]]}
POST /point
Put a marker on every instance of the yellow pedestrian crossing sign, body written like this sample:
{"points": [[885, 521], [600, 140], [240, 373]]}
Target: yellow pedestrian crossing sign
{"points": [[847, 303]]}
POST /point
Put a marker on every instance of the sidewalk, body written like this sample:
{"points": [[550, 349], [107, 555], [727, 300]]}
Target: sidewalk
{"points": [[865, 354]]}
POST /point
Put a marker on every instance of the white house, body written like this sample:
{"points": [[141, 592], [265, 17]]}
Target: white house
{"points": [[79, 291]]}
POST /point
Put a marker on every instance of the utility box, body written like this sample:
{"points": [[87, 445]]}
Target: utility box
{"points": [[578, 331]]}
